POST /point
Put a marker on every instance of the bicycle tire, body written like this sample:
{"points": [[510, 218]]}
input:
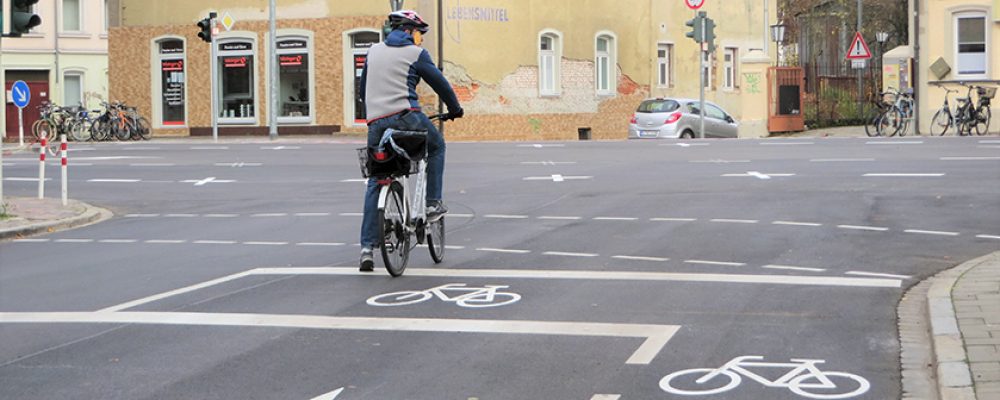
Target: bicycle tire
{"points": [[734, 381], [395, 239], [123, 131], [98, 130], [43, 129], [142, 126], [497, 301], [435, 240], [888, 123], [78, 131], [983, 120], [795, 385], [870, 125], [399, 298], [941, 122]]}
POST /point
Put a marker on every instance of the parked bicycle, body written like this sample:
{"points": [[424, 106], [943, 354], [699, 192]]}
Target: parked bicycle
{"points": [[966, 118], [121, 122], [895, 119], [402, 210]]}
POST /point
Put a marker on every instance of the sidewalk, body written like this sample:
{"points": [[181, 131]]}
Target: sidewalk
{"points": [[31, 216], [963, 334]]}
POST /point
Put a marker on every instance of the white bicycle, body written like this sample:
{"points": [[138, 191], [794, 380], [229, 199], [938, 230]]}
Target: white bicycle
{"points": [[472, 297], [804, 379]]}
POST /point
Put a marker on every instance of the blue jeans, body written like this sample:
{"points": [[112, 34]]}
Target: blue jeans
{"points": [[435, 168]]}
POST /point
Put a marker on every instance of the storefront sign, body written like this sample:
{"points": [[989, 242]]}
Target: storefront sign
{"points": [[237, 46], [171, 47], [291, 60], [235, 62], [292, 44], [481, 14], [172, 65]]}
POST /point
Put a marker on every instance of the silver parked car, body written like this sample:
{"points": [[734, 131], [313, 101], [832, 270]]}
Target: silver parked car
{"points": [[678, 118]]}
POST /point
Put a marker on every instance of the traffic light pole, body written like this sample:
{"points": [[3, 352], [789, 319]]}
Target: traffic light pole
{"points": [[215, 88], [701, 87]]}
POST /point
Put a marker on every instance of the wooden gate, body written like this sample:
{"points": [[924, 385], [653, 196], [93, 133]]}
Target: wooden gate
{"points": [[785, 90]]}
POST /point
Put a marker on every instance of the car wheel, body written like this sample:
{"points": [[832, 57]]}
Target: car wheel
{"points": [[687, 135]]}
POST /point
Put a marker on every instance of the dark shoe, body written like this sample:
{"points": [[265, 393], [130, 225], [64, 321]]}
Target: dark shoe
{"points": [[367, 261], [435, 210]]}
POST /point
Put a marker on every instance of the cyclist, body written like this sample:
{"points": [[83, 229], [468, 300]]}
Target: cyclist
{"points": [[389, 79]]}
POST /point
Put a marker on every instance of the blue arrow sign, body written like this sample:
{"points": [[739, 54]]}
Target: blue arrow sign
{"points": [[21, 94]]}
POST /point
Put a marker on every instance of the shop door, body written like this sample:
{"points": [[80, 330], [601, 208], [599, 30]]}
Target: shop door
{"points": [[39, 95]]}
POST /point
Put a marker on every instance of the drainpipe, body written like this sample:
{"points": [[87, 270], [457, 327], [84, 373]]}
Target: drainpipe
{"points": [[58, 10], [767, 27], [915, 72]]}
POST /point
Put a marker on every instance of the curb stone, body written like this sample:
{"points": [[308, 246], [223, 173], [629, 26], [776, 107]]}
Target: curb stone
{"points": [[92, 215]]}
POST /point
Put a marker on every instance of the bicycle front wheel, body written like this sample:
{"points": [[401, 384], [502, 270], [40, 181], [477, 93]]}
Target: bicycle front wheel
{"points": [[941, 122], [887, 123], [435, 240], [142, 126], [395, 243], [872, 122], [983, 121]]}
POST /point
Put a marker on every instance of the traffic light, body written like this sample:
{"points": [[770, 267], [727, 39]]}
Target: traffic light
{"points": [[710, 35], [206, 28], [21, 17], [696, 27]]}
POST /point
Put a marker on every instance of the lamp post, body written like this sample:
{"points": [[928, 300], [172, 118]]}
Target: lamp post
{"points": [[778, 37], [881, 38]]}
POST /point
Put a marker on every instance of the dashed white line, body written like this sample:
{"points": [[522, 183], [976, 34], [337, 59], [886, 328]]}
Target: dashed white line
{"points": [[795, 223], [673, 219], [25, 179], [265, 243], [552, 163], [320, 244], [989, 141], [722, 263], [969, 158], [938, 233], [165, 241], [606, 397], [863, 228], [735, 221], [142, 215], [792, 268], [641, 258], [877, 274], [312, 214], [351, 214], [552, 217], [786, 143], [614, 219], [459, 215], [988, 237], [842, 160], [214, 242], [30, 240], [566, 254], [181, 215], [896, 142], [152, 165], [117, 241], [113, 180], [904, 175], [210, 148], [266, 215], [511, 251], [504, 216], [74, 240], [221, 215]]}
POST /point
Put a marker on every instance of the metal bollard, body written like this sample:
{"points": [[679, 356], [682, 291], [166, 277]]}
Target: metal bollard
{"points": [[63, 149], [41, 168]]}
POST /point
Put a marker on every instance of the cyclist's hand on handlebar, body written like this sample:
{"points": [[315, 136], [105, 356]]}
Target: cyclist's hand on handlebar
{"points": [[452, 115]]}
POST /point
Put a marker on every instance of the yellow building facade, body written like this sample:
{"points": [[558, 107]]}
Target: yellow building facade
{"points": [[523, 70]]}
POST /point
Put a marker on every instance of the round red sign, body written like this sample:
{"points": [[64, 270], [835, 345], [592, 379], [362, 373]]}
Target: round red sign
{"points": [[694, 4]]}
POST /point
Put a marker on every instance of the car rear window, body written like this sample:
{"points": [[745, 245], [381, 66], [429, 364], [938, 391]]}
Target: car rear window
{"points": [[658, 106]]}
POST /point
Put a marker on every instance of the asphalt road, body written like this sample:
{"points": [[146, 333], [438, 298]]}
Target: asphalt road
{"points": [[230, 271]]}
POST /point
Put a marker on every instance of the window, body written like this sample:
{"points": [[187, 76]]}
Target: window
{"points": [[357, 53], [606, 66], [971, 55], [664, 54], [549, 57], [72, 89], [237, 82], [294, 80], [714, 112], [173, 81], [730, 59], [107, 17], [71, 16]]}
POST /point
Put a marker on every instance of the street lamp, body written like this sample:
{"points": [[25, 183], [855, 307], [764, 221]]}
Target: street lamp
{"points": [[881, 38], [778, 37]]}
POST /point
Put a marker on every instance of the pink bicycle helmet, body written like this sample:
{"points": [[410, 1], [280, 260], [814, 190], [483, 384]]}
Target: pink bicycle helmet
{"points": [[404, 18]]}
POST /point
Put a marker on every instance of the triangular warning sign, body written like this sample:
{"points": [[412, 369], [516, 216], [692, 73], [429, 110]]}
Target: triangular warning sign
{"points": [[859, 49]]}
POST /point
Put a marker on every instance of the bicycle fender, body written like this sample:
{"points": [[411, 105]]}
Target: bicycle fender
{"points": [[383, 193]]}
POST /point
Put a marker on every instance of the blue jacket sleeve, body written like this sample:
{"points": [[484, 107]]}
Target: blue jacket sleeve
{"points": [[428, 71]]}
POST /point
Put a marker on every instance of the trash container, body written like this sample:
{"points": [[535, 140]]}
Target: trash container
{"points": [[584, 133]]}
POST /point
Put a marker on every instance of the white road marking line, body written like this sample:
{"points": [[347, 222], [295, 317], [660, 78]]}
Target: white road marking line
{"points": [[600, 275], [126, 147], [504, 216], [722, 263], [165, 241], [354, 181], [208, 180], [641, 258], [114, 180], [511, 251], [904, 175], [988, 237], [938, 233], [557, 178], [238, 164], [969, 158], [221, 215], [152, 165], [896, 142], [265, 243], [552, 163], [210, 148], [863, 228], [684, 144], [673, 219], [459, 215], [181, 215], [112, 158], [758, 175], [794, 223], [656, 336], [280, 148], [786, 143], [719, 161], [789, 267], [74, 240], [214, 242], [117, 241], [320, 244], [538, 146], [989, 141], [329, 396], [842, 160], [606, 397], [315, 214], [615, 219], [266, 215], [550, 217], [142, 215], [25, 179], [988, 147], [351, 214], [161, 296], [864, 273], [566, 254], [454, 247], [30, 240], [735, 221]]}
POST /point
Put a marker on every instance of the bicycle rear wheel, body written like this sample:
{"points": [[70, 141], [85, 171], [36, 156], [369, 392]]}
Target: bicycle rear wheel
{"points": [[871, 123], [889, 123], [142, 126], [983, 120], [435, 239], [941, 122], [395, 240]]}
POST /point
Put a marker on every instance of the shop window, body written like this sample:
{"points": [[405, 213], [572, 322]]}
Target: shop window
{"points": [[360, 43], [173, 82], [237, 82], [606, 65], [72, 20], [730, 63], [664, 54], [72, 89], [294, 73], [549, 56], [971, 56]]}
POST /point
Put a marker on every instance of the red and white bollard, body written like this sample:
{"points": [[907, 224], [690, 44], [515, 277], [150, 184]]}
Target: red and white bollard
{"points": [[41, 168], [63, 149]]}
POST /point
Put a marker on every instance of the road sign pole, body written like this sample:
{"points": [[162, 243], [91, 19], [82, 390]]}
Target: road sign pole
{"points": [[20, 127], [272, 62], [861, 86], [701, 87], [214, 63]]}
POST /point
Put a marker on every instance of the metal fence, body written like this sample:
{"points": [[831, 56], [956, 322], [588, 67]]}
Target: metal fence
{"points": [[831, 94]]}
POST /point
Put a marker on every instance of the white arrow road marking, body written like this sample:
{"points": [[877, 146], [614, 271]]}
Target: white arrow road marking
{"points": [[238, 164], [329, 396], [208, 180], [758, 175]]}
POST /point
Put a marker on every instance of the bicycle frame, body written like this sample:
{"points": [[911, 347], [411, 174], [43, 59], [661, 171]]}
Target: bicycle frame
{"points": [[740, 365], [413, 199]]}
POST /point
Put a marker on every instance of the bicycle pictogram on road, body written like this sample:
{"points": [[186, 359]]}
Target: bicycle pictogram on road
{"points": [[458, 293]]}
